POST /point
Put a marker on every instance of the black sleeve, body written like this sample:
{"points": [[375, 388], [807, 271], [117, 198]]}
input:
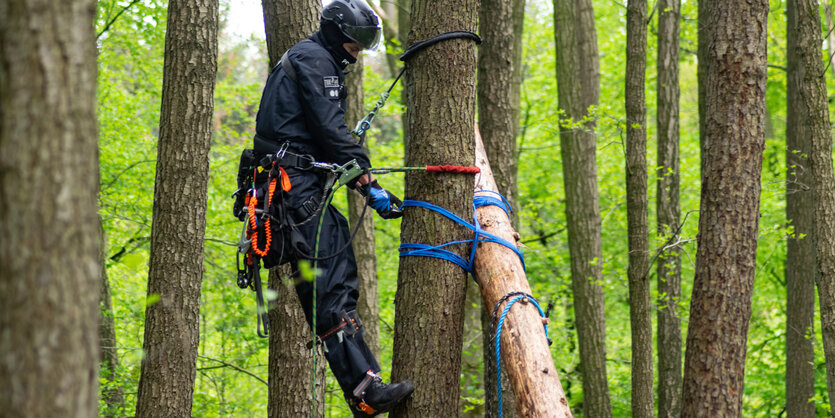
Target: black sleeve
{"points": [[319, 88]]}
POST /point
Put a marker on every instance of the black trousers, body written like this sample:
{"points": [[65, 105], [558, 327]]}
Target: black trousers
{"points": [[337, 283]]}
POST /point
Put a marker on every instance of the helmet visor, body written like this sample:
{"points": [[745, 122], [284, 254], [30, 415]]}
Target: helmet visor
{"points": [[367, 36]]}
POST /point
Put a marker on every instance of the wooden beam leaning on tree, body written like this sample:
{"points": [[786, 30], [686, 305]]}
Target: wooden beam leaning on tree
{"points": [[499, 272]]}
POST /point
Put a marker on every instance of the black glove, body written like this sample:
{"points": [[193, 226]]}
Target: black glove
{"points": [[384, 202]]}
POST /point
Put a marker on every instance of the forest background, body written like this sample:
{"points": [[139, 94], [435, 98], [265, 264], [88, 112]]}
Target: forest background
{"points": [[232, 363]]}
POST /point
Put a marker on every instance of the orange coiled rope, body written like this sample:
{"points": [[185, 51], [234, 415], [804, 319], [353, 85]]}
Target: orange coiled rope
{"points": [[253, 201]]}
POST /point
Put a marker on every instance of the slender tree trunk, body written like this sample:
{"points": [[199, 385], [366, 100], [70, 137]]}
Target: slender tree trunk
{"points": [[800, 213], [578, 81], [287, 22], [51, 246], [112, 393], [812, 91], [431, 292], [732, 76], [637, 208], [166, 385], [404, 26], [499, 94], [830, 39], [364, 244], [291, 363], [668, 269]]}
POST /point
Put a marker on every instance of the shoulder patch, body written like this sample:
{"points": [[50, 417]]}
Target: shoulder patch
{"points": [[331, 82]]}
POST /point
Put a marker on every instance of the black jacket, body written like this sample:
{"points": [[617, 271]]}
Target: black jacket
{"points": [[310, 112]]}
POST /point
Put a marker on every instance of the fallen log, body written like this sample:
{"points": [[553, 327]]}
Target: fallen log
{"points": [[525, 355]]}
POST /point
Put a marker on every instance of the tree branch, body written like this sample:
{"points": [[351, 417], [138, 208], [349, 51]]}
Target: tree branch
{"points": [[113, 20], [238, 368]]}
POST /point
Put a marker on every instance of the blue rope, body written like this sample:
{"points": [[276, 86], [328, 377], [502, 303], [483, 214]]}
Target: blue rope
{"points": [[500, 201], [498, 341], [423, 250]]}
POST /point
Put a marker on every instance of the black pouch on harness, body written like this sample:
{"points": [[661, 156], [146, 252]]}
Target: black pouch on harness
{"points": [[249, 175]]}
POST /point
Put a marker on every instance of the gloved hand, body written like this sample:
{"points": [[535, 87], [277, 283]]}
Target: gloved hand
{"points": [[386, 204]]}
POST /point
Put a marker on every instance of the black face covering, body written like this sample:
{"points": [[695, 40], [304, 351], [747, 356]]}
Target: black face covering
{"points": [[333, 40]]}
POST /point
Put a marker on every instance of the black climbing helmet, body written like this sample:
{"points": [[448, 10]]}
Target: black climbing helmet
{"points": [[356, 20]]}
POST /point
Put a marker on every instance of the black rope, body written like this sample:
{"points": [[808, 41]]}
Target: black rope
{"points": [[502, 300], [419, 46]]}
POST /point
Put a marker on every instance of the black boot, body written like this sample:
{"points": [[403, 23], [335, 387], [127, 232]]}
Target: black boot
{"points": [[379, 397]]}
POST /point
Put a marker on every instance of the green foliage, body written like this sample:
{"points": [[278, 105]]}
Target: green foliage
{"points": [[130, 66]]}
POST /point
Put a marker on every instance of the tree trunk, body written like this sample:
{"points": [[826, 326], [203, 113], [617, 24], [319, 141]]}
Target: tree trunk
{"points": [[637, 208], [112, 392], [287, 22], [431, 292], [364, 243], [732, 78], [166, 384], [578, 81], [800, 213], [404, 26], [291, 363], [51, 246], [668, 269], [524, 345], [499, 95], [817, 126]]}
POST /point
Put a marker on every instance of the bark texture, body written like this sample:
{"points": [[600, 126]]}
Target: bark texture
{"points": [[51, 247], [732, 78], [166, 384], [499, 95], [800, 212], [364, 243], [578, 82], [637, 208], [287, 22], [431, 292], [667, 208], [524, 348], [813, 92], [291, 363]]}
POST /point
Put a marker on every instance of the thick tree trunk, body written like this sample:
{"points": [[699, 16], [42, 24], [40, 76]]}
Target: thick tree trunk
{"points": [[166, 385], [668, 269], [524, 345], [291, 363], [51, 244], [800, 213], [578, 81], [499, 89], [364, 243], [732, 78], [431, 292], [817, 126], [637, 208], [287, 22]]}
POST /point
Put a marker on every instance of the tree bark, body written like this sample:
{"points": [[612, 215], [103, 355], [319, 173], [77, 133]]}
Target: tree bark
{"points": [[732, 78], [364, 243], [668, 269], [287, 22], [524, 347], [499, 96], [637, 208], [291, 363], [800, 213], [431, 292], [817, 126], [166, 384], [51, 246], [578, 82]]}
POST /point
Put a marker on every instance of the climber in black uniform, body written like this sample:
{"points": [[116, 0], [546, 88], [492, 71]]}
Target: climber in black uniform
{"points": [[303, 112]]}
